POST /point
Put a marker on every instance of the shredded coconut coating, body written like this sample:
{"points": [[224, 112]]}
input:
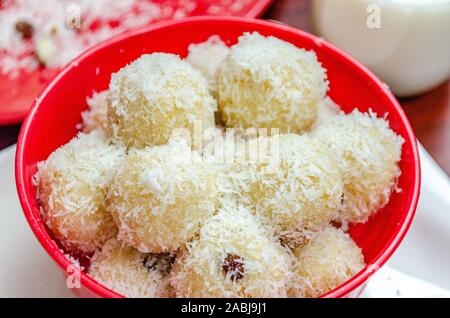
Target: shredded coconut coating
{"points": [[224, 149], [95, 118], [72, 185], [130, 273], [291, 182], [261, 264], [268, 83], [299, 192], [367, 152], [326, 110], [154, 96], [207, 57], [161, 196], [328, 260]]}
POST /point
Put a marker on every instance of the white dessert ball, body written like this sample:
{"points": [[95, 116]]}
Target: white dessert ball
{"points": [[291, 182], [367, 152], [72, 185], [207, 57], [269, 83], [161, 196], [154, 96], [297, 188], [328, 260], [130, 273], [95, 118], [326, 110], [232, 257]]}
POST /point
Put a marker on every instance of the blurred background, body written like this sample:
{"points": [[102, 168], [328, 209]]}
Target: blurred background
{"points": [[404, 42]]}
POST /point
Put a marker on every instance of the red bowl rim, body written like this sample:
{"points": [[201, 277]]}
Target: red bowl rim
{"points": [[53, 250]]}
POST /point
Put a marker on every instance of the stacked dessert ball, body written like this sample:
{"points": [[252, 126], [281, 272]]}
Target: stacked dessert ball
{"points": [[235, 210]]}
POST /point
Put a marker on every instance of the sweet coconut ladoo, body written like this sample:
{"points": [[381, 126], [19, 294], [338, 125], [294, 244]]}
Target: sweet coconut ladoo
{"points": [[154, 96], [291, 182], [326, 109], [72, 185], [268, 83], [367, 152], [328, 260], [232, 257], [161, 196], [96, 118], [130, 273], [207, 57]]}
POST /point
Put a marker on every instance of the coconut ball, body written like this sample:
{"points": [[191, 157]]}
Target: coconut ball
{"points": [[131, 273], [326, 110], [292, 183], [95, 118], [161, 196], [367, 152], [207, 57], [156, 95], [72, 185], [233, 257], [268, 83], [328, 260]]}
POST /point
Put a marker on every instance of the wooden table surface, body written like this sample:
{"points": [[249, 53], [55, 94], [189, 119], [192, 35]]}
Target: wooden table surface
{"points": [[429, 113]]}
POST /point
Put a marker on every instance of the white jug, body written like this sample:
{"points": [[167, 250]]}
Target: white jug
{"points": [[405, 42]]}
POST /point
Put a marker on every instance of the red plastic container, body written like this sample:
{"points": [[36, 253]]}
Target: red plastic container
{"points": [[53, 117]]}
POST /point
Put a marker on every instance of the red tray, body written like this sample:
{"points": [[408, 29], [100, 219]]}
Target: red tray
{"points": [[17, 95]]}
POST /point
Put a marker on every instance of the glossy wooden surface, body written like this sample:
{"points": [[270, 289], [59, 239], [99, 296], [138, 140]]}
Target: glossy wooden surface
{"points": [[429, 113]]}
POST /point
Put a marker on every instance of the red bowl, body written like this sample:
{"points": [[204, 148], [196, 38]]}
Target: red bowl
{"points": [[53, 117]]}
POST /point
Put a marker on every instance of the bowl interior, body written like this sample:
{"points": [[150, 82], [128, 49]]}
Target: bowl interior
{"points": [[52, 121]]}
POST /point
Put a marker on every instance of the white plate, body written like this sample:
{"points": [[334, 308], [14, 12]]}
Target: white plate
{"points": [[25, 268], [27, 271], [425, 252]]}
